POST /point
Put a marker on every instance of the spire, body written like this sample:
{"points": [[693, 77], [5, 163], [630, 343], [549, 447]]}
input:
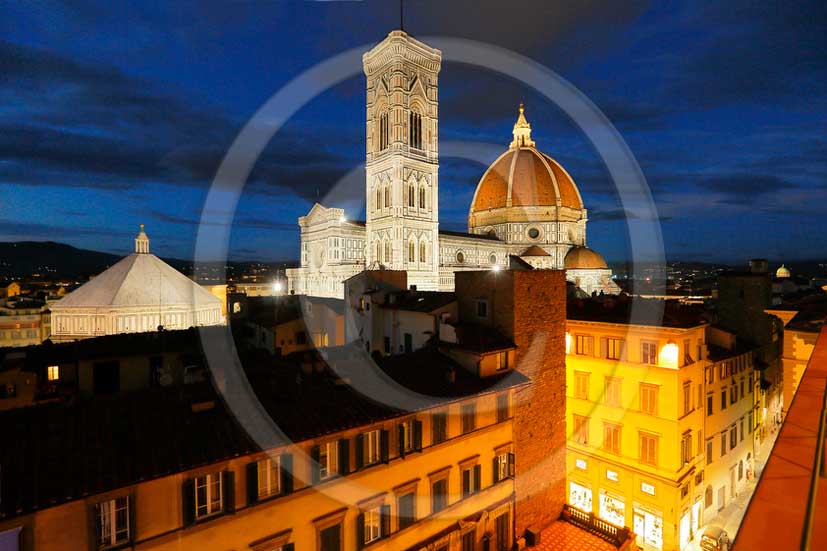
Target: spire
{"points": [[142, 242], [522, 131]]}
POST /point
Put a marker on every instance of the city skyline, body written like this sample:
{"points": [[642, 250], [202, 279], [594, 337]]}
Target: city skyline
{"points": [[120, 117]]}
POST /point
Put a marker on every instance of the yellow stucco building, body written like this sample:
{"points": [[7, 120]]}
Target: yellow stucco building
{"points": [[635, 419]]}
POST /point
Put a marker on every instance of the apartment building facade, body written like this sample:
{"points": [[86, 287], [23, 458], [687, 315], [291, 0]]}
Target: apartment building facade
{"points": [[635, 399]]}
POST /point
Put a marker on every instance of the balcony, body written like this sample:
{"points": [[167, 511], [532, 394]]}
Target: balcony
{"points": [[621, 538]]}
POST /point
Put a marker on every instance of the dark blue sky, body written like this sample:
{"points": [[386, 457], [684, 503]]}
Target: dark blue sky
{"points": [[114, 116]]}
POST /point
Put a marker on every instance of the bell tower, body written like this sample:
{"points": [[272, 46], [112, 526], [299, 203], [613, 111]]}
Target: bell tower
{"points": [[402, 158]]}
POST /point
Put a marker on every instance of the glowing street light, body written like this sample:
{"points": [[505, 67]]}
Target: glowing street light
{"points": [[277, 287], [496, 267]]}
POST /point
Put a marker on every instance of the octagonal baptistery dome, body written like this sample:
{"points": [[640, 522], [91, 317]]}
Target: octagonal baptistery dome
{"points": [[529, 201]]}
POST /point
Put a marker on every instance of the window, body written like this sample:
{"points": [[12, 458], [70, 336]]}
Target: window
{"points": [[501, 530], [611, 437], [327, 459], [502, 408], [411, 252], [687, 397], [387, 196], [649, 353], [387, 342], [649, 398], [710, 375], [422, 257], [208, 495], [581, 429], [388, 251], [612, 397], [470, 480], [415, 130], [742, 388], [685, 490], [468, 541], [53, 373], [709, 404], [583, 345], [686, 448], [383, 131], [439, 495], [733, 394], [371, 447], [422, 197], [469, 421], [749, 421], [482, 308], [269, 477], [409, 432], [439, 428], [503, 466], [723, 443], [708, 497], [687, 355], [741, 427], [614, 349], [460, 257], [723, 399], [533, 233], [648, 448], [407, 514], [330, 538], [112, 521], [581, 385], [502, 361], [733, 437], [709, 452], [372, 524]]}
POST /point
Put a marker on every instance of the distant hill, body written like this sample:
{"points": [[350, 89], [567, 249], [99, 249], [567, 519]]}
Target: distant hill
{"points": [[57, 260]]}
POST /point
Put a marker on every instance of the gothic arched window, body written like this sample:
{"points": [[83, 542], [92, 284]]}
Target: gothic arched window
{"points": [[411, 252], [422, 197], [415, 130], [378, 198], [387, 196], [412, 196], [422, 257], [383, 131], [387, 251]]}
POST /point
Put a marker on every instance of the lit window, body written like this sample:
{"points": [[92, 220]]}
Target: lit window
{"points": [[371, 447], [112, 521], [372, 524], [583, 345], [327, 460], [503, 466], [53, 373], [612, 397], [614, 349], [208, 498], [611, 437], [269, 477], [686, 448], [502, 361]]}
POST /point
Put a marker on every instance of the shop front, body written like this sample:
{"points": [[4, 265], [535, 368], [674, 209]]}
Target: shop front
{"points": [[580, 496], [648, 526], [612, 508]]}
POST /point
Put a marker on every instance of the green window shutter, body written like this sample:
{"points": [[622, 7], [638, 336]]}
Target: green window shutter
{"points": [[359, 451], [286, 473], [188, 502], [344, 456], [360, 531], [401, 439], [252, 482], [384, 446], [315, 468], [511, 467], [385, 516], [496, 470], [477, 477], [228, 489]]}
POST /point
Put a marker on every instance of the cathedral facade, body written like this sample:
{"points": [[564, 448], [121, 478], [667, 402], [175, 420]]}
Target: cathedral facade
{"points": [[525, 204]]}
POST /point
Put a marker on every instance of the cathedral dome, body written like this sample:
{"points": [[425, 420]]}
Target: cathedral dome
{"points": [[783, 271], [583, 258], [534, 250], [524, 177]]}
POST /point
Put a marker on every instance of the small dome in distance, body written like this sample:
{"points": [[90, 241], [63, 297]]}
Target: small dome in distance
{"points": [[583, 258], [535, 250], [783, 271]]}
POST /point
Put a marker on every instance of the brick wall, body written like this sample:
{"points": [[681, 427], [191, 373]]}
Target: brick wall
{"points": [[530, 308]]}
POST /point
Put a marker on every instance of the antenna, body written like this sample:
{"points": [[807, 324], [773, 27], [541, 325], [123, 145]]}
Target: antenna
{"points": [[401, 18]]}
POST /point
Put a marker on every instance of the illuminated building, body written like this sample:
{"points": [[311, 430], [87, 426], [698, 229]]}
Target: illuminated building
{"points": [[635, 418], [525, 204], [139, 293]]}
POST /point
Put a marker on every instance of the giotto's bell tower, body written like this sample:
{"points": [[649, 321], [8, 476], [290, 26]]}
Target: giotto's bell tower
{"points": [[402, 158]]}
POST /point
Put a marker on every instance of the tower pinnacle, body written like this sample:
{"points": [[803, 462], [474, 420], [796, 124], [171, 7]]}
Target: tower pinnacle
{"points": [[142, 242], [522, 131]]}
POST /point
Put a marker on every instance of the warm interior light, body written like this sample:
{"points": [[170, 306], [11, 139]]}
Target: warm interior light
{"points": [[669, 355], [568, 342]]}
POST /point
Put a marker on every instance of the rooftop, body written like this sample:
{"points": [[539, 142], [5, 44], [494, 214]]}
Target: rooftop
{"points": [[66, 451], [419, 301], [637, 311]]}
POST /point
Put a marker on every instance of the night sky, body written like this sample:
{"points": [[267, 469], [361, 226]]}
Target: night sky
{"points": [[111, 116]]}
